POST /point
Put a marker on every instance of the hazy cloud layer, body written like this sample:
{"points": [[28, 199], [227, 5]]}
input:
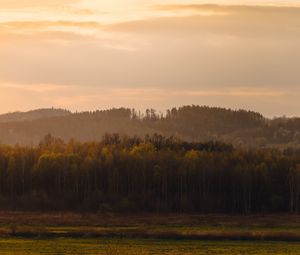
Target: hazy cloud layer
{"points": [[24, 97], [204, 54], [34, 3]]}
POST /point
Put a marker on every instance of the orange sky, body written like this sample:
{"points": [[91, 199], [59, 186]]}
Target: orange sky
{"points": [[89, 54]]}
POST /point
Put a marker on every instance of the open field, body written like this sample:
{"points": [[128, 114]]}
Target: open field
{"points": [[151, 226], [60, 246], [148, 234]]}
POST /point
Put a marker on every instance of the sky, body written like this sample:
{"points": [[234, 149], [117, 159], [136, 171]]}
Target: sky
{"points": [[98, 54]]}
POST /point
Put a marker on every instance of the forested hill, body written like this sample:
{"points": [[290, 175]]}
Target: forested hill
{"points": [[33, 115], [190, 123]]}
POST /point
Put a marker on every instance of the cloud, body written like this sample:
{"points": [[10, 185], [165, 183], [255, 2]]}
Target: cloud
{"points": [[13, 4], [230, 21], [234, 92], [193, 51], [242, 55], [209, 9], [49, 31], [92, 98], [83, 12], [239, 21], [227, 8], [39, 88], [42, 24]]}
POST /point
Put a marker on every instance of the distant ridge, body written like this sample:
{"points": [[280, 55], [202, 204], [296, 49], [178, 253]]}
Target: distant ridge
{"points": [[190, 123], [33, 114]]}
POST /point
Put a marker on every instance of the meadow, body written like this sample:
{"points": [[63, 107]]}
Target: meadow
{"points": [[145, 234], [60, 246]]}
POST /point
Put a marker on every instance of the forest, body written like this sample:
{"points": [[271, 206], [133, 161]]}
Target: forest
{"points": [[246, 129], [150, 174]]}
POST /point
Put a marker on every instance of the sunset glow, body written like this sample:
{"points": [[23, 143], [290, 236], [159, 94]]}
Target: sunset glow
{"points": [[91, 54]]}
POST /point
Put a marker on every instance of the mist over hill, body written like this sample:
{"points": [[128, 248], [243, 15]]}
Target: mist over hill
{"points": [[33, 115], [190, 123]]}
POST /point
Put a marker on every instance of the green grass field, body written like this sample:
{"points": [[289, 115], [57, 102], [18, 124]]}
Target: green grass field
{"points": [[60, 246], [115, 234], [153, 226]]}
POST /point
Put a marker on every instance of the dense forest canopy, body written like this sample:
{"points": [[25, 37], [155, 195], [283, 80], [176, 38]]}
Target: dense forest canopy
{"points": [[153, 174], [191, 123]]}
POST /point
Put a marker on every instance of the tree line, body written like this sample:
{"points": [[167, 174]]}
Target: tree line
{"points": [[190, 123], [153, 174]]}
